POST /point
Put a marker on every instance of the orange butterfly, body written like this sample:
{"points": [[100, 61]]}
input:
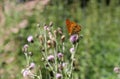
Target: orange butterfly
{"points": [[72, 27]]}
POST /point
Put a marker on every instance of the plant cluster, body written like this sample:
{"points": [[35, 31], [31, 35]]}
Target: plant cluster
{"points": [[53, 48]]}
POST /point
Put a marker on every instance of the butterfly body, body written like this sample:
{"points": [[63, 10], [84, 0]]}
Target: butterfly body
{"points": [[72, 27]]}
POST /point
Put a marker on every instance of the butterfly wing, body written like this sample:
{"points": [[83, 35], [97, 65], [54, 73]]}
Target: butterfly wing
{"points": [[72, 27], [75, 28], [68, 25]]}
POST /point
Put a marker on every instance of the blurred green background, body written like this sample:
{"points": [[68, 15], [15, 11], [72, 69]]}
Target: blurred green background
{"points": [[98, 52]]}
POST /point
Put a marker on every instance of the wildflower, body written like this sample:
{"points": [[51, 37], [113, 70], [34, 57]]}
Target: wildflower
{"points": [[74, 38], [32, 65], [49, 42], [72, 50], [50, 58], [48, 29], [25, 48], [30, 53], [116, 69], [64, 64], [55, 32], [53, 43], [30, 39], [25, 72], [60, 31], [58, 76], [45, 27], [51, 24], [50, 35], [60, 55], [63, 38], [61, 66]]}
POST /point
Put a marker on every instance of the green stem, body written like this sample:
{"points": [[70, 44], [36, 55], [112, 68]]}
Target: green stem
{"points": [[27, 59]]}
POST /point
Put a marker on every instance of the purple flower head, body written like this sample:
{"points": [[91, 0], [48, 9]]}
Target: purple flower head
{"points": [[60, 55], [25, 72], [50, 58], [30, 39], [45, 27], [72, 50], [117, 70], [58, 76], [74, 38], [32, 65]]}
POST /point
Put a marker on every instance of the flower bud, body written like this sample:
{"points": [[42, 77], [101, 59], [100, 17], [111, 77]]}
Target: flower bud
{"points": [[60, 31], [51, 24], [55, 32], [25, 48], [38, 25], [49, 42], [63, 38], [30, 53]]}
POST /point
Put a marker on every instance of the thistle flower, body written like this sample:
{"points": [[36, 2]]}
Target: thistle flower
{"points": [[74, 38], [25, 48], [60, 55], [32, 66], [58, 76], [50, 58], [116, 70], [30, 39], [25, 72], [61, 66], [72, 50], [45, 27]]}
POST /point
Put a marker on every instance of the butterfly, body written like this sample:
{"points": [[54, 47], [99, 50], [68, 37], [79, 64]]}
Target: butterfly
{"points": [[72, 27]]}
